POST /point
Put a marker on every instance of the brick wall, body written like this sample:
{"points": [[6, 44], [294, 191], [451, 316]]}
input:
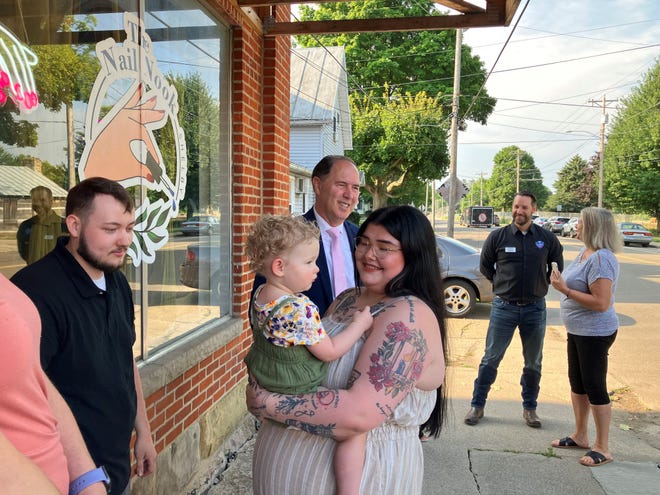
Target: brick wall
{"points": [[184, 412]]}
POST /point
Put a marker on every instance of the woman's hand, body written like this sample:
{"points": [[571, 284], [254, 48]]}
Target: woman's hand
{"points": [[558, 282], [363, 319], [254, 398]]}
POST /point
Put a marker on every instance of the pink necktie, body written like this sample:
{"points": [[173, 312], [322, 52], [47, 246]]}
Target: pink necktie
{"points": [[338, 265]]}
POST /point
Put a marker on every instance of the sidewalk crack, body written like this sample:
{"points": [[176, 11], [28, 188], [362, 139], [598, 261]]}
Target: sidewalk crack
{"points": [[474, 475]]}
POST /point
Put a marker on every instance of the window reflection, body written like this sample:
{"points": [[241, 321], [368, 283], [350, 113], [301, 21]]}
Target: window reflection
{"points": [[188, 283]]}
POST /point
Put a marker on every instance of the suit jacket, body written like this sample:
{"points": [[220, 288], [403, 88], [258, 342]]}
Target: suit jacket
{"points": [[321, 290]]}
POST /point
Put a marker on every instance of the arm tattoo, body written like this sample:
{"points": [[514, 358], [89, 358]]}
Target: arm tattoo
{"points": [[385, 410], [355, 374], [397, 363], [289, 403], [411, 304], [323, 430], [299, 405]]}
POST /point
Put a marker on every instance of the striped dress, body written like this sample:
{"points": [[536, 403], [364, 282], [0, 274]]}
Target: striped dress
{"points": [[292, 462]]}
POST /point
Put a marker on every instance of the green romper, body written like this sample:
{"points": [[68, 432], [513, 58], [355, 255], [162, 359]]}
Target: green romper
{"points": [[288, 370]]}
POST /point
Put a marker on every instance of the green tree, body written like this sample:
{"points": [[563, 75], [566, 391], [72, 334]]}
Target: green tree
{"points": [[502, 185], [7, 158], [402, 143], [632, 155], [56, 173], [64, 74], [575, 186], [13, 131], [478, 193], [394, 64], [199, 117], [402, 62]]}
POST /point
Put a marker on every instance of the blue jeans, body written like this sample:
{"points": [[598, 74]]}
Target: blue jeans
{"points": [[504, 319]]}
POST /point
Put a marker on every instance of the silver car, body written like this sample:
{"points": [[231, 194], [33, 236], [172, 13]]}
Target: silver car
{"points": [[635, 233], [200, 225], [569, 229], [464, 284]]}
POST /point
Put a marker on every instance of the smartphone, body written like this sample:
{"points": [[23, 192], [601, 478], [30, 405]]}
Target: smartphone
{"points": [[555, 268]]}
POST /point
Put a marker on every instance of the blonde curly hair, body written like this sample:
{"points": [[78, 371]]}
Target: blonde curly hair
{"points": [[274, 235]]}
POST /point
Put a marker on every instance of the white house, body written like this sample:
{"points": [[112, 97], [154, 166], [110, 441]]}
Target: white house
{"points": [[320, 116]]}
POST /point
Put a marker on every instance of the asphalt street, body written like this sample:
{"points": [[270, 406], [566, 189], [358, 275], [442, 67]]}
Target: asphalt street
{"points": [[501, 455]]}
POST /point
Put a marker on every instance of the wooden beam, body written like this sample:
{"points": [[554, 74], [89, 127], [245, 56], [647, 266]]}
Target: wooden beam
{"points": [[427, 23], [510, 10], [461, 6], [457, 5]]}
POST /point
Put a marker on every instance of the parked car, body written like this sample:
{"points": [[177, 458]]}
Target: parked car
{"points": [[635, 233], [204, 259], [569, 229], [200, 224], [540, 221], [201, 267], [555, 224], [463, 283]]}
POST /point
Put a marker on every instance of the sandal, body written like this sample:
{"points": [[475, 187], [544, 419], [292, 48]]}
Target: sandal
{"points": [[598, 458], [567, 443]]}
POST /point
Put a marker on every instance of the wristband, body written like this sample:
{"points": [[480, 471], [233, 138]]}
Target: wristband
{"points": [[98, 475]]}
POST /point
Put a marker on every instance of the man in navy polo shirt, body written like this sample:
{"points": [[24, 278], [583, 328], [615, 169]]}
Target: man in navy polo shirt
{"points": [[88, 331], [518, 260]]}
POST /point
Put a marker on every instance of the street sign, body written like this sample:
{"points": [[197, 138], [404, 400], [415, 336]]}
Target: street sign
{"points": [[461, 189]]}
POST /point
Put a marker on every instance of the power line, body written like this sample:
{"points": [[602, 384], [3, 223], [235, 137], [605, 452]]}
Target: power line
{"points": [[483, 85]]}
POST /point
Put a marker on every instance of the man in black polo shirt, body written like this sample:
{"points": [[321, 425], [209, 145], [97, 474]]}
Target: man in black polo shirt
{"points": [[518, 260], [86, 308]]}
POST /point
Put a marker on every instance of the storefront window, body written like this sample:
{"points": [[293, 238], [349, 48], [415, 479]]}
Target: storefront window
{"points": [[141, 97]]}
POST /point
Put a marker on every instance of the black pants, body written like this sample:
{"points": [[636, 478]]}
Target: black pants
{"points": [[587, 366]]}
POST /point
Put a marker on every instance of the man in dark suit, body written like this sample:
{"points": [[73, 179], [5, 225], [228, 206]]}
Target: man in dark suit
{"points": [[336, 183]]}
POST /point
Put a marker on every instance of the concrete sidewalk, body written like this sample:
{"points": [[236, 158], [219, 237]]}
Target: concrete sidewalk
{"points": [[503, 456]]}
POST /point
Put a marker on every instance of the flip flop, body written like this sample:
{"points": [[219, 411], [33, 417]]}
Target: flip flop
{"points": [[568, 443], [598, 458]]}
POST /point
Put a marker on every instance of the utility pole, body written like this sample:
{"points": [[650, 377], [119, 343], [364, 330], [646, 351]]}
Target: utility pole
{"points": [[601, 153], [70, 152], [453, 179], [433, 205], [517, 170], [481, 189]]}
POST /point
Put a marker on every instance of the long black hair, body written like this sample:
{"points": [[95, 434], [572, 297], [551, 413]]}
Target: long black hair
{"points": [[420, 277]]}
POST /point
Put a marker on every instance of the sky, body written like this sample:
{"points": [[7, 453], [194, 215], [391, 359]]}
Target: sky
{"points": [[561, 58], [550, 68]]}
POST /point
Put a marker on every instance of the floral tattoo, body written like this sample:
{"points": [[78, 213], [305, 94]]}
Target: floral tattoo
{"points": [[397, 363]]}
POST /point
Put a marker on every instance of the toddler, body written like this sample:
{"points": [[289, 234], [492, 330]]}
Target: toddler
{"points": [[290, 348]]}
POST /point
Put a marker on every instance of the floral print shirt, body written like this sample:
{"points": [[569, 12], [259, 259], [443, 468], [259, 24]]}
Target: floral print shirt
{"points": [[296, 322]]}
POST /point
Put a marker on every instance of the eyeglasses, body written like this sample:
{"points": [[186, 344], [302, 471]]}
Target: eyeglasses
{"points": [[381, 250]]}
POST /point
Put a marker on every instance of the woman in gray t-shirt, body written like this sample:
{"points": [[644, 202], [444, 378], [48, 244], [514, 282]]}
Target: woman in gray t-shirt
{"points": [[588, 285]]}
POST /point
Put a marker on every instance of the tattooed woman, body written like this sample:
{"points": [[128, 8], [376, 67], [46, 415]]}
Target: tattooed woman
{"points": [[388, 384]]}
